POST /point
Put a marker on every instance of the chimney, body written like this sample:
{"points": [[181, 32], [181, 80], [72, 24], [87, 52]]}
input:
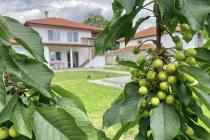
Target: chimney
{"points": [[46, 14]]}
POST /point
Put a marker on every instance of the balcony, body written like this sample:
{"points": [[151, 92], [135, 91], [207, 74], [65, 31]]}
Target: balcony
{"points": [[88, 40]]}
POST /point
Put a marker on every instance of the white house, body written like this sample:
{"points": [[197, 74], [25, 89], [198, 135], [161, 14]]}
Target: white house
{"points": [[150, 33], [126, 51], [67, 44]]}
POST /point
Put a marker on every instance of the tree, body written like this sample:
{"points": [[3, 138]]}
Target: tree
{"points": [[30, 106], [96, 20], [169, 86]]}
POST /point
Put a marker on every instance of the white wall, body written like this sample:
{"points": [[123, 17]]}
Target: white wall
{"points": [[134, 42], [82, 52], [166, 41], [63, 34], [97, 62]]}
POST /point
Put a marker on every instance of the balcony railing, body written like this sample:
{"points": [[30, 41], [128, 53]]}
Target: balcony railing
{"points": [[89, 41]]}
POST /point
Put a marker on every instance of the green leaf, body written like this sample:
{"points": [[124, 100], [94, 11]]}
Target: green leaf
{"points": [[9, 65], [203, 94], [117, 29], [112, 115], [203, 55], [57, 124], [127, 4], [207, 26], [204, 119], [62, 102], [131, 34], [167, 9], [200, 131], [102, 135], [83, 122], [130, 106], [200, 75], [22, 119], [207, 44], [6, 113], [26, 37], [128, 63], [143, 126], [195, 12], [164, 122], [34, 73], [131, 89], [2, 90], [183, 92], [66, 94]]}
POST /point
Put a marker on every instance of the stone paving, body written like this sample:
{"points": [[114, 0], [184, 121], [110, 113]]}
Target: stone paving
{"points": [[118, 82]]}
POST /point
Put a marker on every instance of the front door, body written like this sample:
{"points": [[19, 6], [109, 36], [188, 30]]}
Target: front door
{"points": [[68, 59], [75, 59]]}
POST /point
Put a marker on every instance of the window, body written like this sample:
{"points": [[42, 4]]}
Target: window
{"points": [[53, 35], [72, 36], [55, 56]]}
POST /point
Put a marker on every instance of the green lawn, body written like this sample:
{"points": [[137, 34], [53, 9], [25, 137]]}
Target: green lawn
{"points": [[117, 68], [97, 98]]}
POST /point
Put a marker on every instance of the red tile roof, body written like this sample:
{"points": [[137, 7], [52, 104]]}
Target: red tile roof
{"points": [[59, 22], [151, 31], [130, 48]]}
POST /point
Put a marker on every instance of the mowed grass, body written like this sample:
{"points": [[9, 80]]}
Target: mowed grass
{"points": [[97, 98]]}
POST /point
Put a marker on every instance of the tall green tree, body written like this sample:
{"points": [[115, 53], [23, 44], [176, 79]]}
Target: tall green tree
{"points": [[96, 20], [170, 85]]}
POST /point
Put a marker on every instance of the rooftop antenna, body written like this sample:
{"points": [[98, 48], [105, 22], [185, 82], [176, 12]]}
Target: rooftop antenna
{"points": [[46, 14]]}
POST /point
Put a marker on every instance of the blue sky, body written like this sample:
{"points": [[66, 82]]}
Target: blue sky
{"points": [[76, 10]]}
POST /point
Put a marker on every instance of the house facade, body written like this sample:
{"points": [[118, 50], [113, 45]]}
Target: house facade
{"points": [[125, 52], [67, 44], [150, 33]]}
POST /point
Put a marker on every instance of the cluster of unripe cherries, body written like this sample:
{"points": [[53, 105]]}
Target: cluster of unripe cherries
{"points": [[163, 74], [8, 132]]}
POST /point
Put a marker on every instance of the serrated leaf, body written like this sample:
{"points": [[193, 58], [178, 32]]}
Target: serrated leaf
{"points": [[67, 94], [195, 12], [143, 126], [183, 92], [112, 115], [203, 55], [26, 37], [22, 119], [2, 90], [128, 63], [102, 135], [34, 73], [127, 4], [130, 106], [200, 75], [6, 113], [56, 124], [83, 122], [200, 131], [167, 9], [164, 122], [203, 94]]}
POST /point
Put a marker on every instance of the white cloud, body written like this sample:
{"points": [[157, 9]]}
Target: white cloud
{"points": [[77, 10]]}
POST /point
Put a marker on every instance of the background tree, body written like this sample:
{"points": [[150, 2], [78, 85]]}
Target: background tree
{"points": [[96, 20]]}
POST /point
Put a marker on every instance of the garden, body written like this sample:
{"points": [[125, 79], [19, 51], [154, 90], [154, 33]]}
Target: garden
{"points": [[167, 99]]}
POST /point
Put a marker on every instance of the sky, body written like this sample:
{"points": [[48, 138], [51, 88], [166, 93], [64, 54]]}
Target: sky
{"points": [[75, 10]]}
